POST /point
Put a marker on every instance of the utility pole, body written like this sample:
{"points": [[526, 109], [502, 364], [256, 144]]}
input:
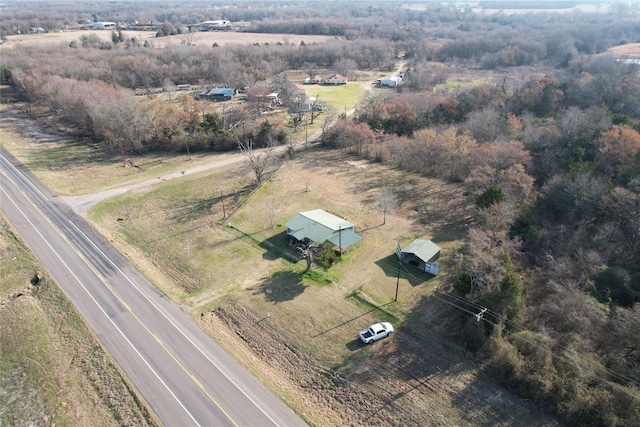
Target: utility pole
{"points": [[224, 213], [399, 254], [398, 281]]}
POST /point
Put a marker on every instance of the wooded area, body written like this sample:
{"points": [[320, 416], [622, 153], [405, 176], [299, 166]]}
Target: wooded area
{"points": [[550, 147]]}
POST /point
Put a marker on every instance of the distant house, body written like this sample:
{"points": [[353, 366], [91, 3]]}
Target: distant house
{"points": [[99, 26], [221, 24], [633, 61], [336, 79], [315, 80], [297, 93], [218, 94], [318, 226], [422, 254], [390, 81], [272, 97]]}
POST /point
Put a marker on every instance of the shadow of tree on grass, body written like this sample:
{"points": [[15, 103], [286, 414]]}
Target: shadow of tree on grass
{"points": [[282, 286], [194, 211], [278, 246]]}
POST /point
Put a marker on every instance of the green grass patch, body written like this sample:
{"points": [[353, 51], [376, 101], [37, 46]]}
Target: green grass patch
{"points": [[318, 277], [450, 86], [178, 224], [383, 313]]}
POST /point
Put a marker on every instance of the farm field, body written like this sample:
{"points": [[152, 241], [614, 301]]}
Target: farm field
{"points": [[199, 38], [631, 50]]}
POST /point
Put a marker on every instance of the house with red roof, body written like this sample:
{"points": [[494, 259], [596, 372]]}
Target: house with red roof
{"points": [[336, 79]]}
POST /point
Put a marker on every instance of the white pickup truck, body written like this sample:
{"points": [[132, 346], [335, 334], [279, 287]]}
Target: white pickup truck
{"points": [[376, 332]]}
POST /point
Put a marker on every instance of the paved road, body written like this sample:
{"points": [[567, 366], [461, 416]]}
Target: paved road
{"points": [[186, 378]]}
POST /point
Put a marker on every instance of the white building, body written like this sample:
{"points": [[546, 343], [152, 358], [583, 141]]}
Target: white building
{"points": [[390, 81], [221, 24], [99, 26], [336, 79]]}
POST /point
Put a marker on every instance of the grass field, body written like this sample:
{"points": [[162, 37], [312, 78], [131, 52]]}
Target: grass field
{"points": [[631, 50], [200, 38]]}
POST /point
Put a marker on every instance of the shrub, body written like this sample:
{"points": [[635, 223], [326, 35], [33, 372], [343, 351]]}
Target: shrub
{"points": [[328, 256], [490, 196]]}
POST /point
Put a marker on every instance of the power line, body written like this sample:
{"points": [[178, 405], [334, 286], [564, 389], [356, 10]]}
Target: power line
{"points": [[514, 326]]}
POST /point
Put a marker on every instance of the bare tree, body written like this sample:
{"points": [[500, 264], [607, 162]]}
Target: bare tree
{"points": [[169, 87], [257, 99], [187, 39], [258, 162], [328, 121], [271, 210], [311, 69], [386, 201], [282, 86], [309, 252], [315, 109], [482, 267], [347, 67], [118, 119], [297, 117], [291, 142], [486, 124]]}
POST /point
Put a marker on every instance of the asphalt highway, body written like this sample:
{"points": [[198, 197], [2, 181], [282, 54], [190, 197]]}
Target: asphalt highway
{"points": [[186, 378]]}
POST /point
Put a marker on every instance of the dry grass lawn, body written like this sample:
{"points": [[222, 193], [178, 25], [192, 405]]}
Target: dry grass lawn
{"points": [[631, 50], [299, 334]]}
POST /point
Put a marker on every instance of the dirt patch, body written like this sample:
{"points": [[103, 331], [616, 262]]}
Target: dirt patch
{"points": [[20, 121]]}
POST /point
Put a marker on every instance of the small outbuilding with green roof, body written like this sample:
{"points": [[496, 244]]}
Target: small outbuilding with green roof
{"points": [[422, 254]]}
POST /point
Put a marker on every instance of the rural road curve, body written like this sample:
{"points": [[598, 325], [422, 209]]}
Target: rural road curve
{"points": [[186, 378]]}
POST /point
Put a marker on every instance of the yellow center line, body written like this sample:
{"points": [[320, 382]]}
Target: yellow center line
{"points": [[193, 377], [126, 306]]}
